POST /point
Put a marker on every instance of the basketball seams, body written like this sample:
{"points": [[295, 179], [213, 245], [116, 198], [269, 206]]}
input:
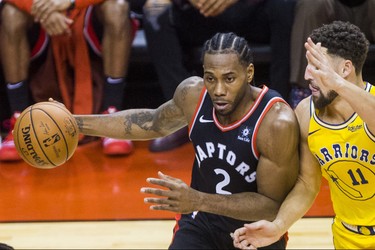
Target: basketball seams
{"points": [[54, 130], [36, 136], [63, 109], [16, 128], [59, 129]]}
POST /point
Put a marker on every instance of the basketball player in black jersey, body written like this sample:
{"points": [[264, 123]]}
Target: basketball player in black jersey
{"points": [[245, 140]]}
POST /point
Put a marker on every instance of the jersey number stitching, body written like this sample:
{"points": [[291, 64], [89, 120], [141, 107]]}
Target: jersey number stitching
{"points": [[223, 183]]}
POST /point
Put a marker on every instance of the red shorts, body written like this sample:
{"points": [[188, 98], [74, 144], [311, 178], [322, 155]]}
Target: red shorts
{"points": [[92, 31]]}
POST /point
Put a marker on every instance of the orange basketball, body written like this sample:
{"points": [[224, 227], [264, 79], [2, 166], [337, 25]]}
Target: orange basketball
{"points": [[46, 135]]}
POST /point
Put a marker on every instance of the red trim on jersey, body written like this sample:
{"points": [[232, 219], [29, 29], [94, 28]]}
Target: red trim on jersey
{"points": [[176, 227], [197, 108], [245, 117], [286, 237], [40, 44], [89, 32], [259, 121]]}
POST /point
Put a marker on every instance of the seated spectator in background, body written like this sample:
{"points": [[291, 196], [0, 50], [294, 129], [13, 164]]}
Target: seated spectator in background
{"points": [[45, 54], [172, 27], [311, 14]]}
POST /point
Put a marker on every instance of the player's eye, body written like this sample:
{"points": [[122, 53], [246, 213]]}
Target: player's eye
{"points": [[230, 79], [209, 78]]}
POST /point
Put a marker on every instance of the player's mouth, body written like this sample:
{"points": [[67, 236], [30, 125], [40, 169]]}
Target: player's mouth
{"points": [[314, 89], [220, 105]]}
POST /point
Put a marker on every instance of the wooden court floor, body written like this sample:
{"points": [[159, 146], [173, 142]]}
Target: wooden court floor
{"points": [[308, 233], [93, 201]]}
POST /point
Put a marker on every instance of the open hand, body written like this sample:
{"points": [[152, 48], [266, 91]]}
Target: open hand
{"points": [[322, 69], [178, 197], [258, 234]]}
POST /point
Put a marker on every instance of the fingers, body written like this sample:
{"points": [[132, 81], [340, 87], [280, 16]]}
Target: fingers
{"points": [[161, 182], [244, 244], [158, 192], [213, 7], [42, 9], [315, 56], [167, 204], [253, 226], [161, 201], [57, 24], [240, 231], [166, 181], [314, 51]]}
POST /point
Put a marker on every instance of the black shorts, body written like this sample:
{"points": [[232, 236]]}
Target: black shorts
{"points": [[199, 233]]}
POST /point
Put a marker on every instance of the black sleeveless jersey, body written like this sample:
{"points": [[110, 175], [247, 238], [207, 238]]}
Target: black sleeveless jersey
{"points": [[226, 157]]}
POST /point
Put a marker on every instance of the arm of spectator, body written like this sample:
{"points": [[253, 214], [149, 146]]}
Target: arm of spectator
{"points": [[210, 8], [57, 24], [41, 9]]}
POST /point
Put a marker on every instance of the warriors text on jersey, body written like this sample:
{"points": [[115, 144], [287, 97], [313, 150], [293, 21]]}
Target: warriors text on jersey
{"points": [[226, 157], [346, 153]]}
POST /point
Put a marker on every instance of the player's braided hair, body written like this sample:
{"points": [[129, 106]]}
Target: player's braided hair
{"points": [[225, 43], [345, 40]]}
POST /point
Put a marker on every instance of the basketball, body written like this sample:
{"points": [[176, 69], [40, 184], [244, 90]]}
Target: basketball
{"points": [[45, 135]]}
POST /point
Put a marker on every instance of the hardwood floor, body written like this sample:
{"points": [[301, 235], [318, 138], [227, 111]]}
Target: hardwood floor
{"points": [[307, 233], [94, 201]]}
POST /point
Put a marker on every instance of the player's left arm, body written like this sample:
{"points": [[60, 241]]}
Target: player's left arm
{"points": [[276, 174], [360, 100]]}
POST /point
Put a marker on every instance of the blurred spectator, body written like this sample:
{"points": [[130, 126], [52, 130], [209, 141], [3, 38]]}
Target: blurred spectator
{"points": [[44, 54], [311, 14], [173, 27]]}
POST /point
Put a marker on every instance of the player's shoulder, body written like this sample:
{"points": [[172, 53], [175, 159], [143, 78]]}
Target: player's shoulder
{"points": [[278, 128], [281, 115], [192, 83], [303, 110], [189, 89]]}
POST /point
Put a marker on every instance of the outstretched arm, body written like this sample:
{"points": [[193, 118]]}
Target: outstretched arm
{"points": [[145, 124]]}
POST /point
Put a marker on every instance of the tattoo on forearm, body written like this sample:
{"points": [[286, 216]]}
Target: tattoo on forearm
{"points": [[143, 120]]}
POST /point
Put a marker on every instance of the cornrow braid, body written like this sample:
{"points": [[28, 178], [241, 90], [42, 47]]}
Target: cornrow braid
{"points": [[225, 43]]}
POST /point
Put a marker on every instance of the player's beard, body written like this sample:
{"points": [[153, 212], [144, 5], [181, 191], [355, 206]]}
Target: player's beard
{"points": [[323, 100]]}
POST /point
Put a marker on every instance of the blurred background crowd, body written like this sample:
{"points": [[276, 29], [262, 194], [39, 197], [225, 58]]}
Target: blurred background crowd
{"points": [[101, 56]]}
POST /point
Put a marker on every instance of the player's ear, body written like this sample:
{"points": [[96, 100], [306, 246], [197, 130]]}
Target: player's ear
{"points": [[250, 72], [347, 68]]}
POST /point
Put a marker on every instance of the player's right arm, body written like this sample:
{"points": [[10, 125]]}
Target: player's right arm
{"points": [[298, 201], [145, 124]]}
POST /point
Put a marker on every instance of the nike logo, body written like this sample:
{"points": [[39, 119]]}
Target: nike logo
{"points": [[314, 131], [202, 120]]}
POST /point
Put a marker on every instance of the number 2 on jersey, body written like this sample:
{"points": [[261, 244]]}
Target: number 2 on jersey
{"points": [[223, 183]]}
